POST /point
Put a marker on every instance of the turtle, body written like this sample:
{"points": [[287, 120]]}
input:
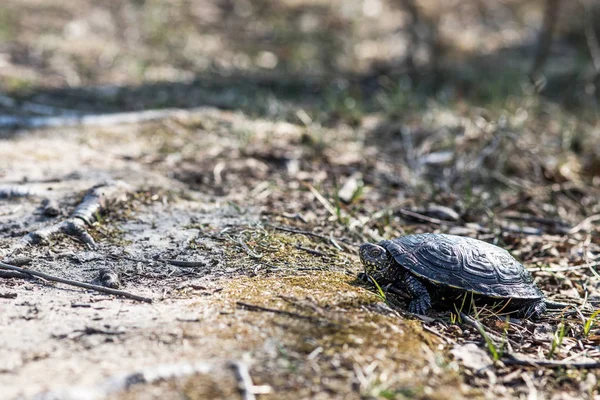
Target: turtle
{"points": [[440, 269]]}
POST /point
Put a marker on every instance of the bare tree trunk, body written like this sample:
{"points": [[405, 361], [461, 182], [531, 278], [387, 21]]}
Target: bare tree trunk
{"points": [[545, 39]]}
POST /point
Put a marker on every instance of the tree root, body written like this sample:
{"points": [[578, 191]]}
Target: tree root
{"points": [[29, 272]]}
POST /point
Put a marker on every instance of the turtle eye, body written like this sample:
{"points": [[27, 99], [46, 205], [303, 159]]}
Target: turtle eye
{"points": [[375, 252]]}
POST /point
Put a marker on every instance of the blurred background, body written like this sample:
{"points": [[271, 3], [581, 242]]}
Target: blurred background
{"points": [[475, 104], [335, 59]]}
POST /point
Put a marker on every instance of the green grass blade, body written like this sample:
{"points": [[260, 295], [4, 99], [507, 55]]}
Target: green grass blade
{"points": [[379, 289], [590, 322]]}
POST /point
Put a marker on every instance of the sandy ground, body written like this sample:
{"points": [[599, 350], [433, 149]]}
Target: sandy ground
{"points": [[64, 342]]}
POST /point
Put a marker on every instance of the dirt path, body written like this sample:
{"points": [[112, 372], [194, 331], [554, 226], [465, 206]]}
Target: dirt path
{"points": [[64, 342]]}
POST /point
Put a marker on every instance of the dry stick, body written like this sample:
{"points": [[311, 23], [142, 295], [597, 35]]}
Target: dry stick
{"points": [[245, 384], [475, 324], [539, 220], [316, 235], [585, 224], [299, 231], [252, 307], [248, 250], [36, 108], [14, 122], [13, 274], [97, 288], [311, 251], [332, 210], [323, 201], [425, 218], [512, 360], [13, 191], [184, 264], [436, 333]]}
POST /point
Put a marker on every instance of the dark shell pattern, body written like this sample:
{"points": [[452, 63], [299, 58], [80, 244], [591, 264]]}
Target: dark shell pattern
{"points": [[465, 264]]}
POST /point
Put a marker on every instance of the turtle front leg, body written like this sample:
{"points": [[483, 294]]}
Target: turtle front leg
{"points": [[420, 300]]}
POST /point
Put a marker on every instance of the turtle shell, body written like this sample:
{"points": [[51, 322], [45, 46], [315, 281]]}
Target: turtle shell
{"points": [[465, 264]]}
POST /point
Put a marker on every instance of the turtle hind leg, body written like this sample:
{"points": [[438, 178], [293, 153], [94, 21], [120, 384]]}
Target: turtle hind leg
{"points": [[533, 311], [420, 305]]}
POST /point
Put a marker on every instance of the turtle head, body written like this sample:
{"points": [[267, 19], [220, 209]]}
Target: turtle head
{"points": [[374, 257]]}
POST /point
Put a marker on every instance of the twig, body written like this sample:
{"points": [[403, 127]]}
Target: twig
{"points": [[424, 218], [539, 220], [436, 333], [184, 264], [329, 239], [311, 251], [8, 295], [323, 201], [584, 225], [13, 274], [252, 307], [12, 191], [15, 122], [248, 250], [475, 324], [78, 305], [533, 393], [245, 385], [35, 107], [97, 288], [88, 330], [513, 360]]}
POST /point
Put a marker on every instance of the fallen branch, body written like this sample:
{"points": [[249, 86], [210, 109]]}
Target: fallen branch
{"points": [[27, 122], [96, 201], [13, 274], [513, 360], [84, 285]]}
